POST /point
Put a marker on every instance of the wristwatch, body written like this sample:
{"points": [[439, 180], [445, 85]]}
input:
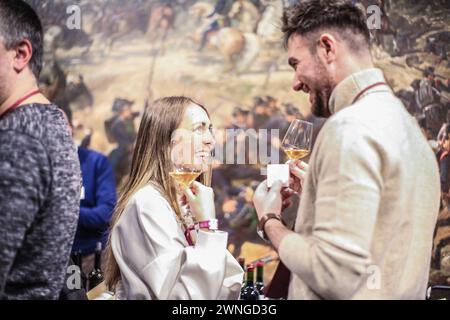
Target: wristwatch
{"points": [[262, 223]]}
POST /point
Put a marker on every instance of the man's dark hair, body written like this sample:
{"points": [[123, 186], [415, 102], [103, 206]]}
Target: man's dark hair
{"points": [[291, 110], [309, 16], [429, 71], [415, 84], [240, 111], [119, 104], [18, 21]]}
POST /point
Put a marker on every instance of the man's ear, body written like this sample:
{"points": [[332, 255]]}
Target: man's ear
{"points": [[23, 54], [327, 47]]}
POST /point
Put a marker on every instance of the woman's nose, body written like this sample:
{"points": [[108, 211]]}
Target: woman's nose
{"points": [[208, 139]]}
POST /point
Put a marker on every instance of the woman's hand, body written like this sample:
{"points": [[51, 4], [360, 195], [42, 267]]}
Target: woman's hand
{"points": [[201, 201]]}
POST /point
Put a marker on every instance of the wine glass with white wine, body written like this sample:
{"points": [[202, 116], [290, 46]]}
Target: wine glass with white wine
{"points": [[187, 165], [297, 141], [184, 172], [185, 175]]}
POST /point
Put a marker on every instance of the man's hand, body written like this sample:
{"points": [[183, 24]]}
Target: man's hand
{"points": [[298, 171], [271, 201], [268, 200], [286, 194]]}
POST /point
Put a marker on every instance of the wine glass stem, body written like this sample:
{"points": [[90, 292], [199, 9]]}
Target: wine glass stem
{"points": [[189, 222]]}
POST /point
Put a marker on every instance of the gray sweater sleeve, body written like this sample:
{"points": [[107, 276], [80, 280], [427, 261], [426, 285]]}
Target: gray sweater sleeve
{"points": [[24, 183]]}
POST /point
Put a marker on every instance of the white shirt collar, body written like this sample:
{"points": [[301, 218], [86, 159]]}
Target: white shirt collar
{"points": [[348, 89]]}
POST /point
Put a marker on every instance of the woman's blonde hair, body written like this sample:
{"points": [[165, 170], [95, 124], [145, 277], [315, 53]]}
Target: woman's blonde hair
{"points": [[151, 164]]}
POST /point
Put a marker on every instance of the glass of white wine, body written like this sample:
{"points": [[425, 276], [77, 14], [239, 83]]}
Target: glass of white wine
{"points": [[297, 141], [186, 166], [185, 175]]}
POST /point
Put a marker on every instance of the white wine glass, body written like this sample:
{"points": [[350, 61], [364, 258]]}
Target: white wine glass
{"points": [[186, 168], [297, 141], [185, 175]]}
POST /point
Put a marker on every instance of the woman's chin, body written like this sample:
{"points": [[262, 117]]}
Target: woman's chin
{"points": [[203, 160], [204, 166]]}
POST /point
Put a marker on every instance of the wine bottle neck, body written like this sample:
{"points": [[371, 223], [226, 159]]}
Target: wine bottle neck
{"points": [[250, 278], [98, 257], [79, 259], [242, 263], [260, 274]]}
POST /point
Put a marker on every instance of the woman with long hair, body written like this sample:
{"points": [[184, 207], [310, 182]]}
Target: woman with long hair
{"points": [[155, 249]]}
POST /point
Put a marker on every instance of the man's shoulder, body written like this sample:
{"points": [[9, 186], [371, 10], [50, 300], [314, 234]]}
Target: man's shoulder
{"points": [[21, 134], [35, 120], [365, 120], [373, 112], [44, 132], [345, 120], [380, 122], [22, 153]]}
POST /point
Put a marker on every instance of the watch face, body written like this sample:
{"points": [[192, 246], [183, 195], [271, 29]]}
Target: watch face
{"points": [[260, 233]]}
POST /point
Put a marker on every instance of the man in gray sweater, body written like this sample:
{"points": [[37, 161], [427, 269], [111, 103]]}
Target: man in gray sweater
{"points": [[39, 168]]}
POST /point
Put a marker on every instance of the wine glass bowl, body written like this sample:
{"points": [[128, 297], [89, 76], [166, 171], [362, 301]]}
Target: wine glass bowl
{"points": [[185, 175], [297, 140], [187, 165]]}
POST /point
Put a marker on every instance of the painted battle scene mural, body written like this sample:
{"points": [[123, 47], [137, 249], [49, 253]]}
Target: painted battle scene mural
{"points": [[107, 60]]}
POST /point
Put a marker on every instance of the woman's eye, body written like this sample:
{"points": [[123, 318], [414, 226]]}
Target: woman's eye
{"points": [[203, 129]]}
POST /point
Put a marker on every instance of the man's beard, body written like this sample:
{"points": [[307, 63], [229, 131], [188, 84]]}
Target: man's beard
{"points": [[5, 85], [3, 92], [319, 106], [321, 91]]}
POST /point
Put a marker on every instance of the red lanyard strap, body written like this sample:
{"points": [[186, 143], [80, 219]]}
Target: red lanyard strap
{"points": [[18, 102], [187, 235], [367, 89]]}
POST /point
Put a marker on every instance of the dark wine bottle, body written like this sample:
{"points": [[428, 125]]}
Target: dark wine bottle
{"points": [[242, 264], [96, 275], [78, 260], [259, 284], [249, 292]]}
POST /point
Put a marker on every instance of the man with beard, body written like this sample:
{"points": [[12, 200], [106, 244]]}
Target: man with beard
{"points": [[370, 196]]}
